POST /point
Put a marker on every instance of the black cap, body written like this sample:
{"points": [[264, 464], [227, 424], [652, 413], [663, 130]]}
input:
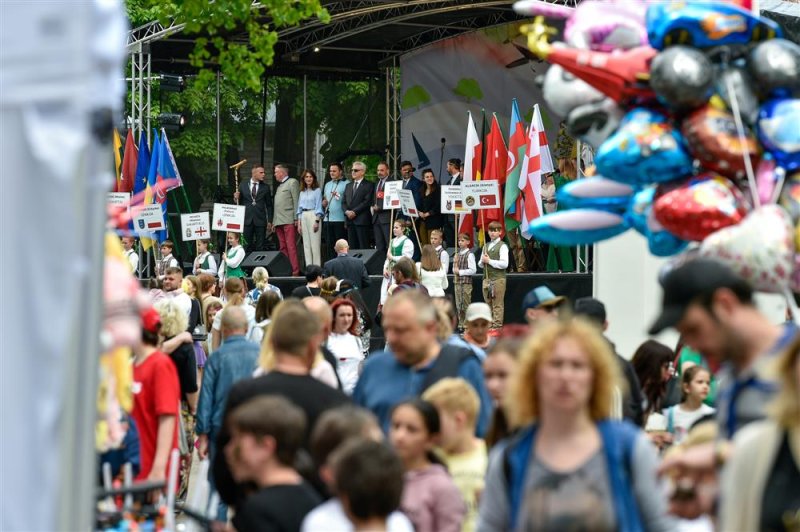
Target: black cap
{"points": [[692, 280], [591, 308]]}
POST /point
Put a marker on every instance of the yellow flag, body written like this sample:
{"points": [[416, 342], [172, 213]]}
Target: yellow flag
{"points": [[117, 157]]}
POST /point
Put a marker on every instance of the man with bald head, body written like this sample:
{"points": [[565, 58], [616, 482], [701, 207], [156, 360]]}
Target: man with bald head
{"points": [[346, 267], [322, 310]]}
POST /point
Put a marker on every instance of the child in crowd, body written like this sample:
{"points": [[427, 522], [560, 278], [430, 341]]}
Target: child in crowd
{"points": [[333, 429], [369, 482], [437, 238], [695, 385], [399, 247], [500, 364], [205, 262], [266, 434], [463, 269], [431, 271], [430, 498], [464, 455], [167, 260], [232, 261], [494, 261]]}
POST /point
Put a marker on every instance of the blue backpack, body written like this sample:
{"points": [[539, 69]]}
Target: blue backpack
{"points": [[618, 439]]}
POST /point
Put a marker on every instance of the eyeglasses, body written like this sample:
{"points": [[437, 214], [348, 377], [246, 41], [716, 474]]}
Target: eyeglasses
{"points": [[356, 170]]}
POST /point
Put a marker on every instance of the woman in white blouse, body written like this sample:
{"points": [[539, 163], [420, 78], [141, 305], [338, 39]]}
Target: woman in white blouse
{"points": [[345, 344], [431, 272], [400, 246]]}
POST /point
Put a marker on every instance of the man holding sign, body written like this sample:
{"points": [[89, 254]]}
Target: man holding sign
{"points": [[381, 217]]}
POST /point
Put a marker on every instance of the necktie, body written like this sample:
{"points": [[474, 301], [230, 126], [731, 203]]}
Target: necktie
{"points": [[380, 186], [254, 191], [355, 188]]}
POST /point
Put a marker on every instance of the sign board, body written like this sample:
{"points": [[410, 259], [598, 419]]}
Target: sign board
{"points": [[228, 218], [118, 200], [481, 194], [452, 200], [391, 198], [148, 218], [407, 203], [195, 226]]}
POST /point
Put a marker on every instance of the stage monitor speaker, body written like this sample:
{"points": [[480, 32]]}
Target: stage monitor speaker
{"points": [[372, 259], [276, 263]]}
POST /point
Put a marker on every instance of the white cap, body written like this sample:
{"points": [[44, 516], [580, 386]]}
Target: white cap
{"points": [[479, 311]]}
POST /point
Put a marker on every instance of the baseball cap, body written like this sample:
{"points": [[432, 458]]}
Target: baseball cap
{"points": [[151, 319], [591, 308], [478, 311], [686, 283], [540, 297]]}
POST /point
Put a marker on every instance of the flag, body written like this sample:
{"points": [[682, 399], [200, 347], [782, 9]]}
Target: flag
{"points": [[150, 186], [544, 148], [140, 175], [424, 162], [494, 169], [129, 161], [472, 165], [117, 142], [516, 153], [167, 178], [530, 180]]}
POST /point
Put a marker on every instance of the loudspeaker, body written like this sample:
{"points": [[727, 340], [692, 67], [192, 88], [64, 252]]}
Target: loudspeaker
{"points": [[372, 259], [276, 263]]}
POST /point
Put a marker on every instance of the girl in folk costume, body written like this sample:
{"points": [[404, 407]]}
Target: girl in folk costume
{"points": [[232, 260], [400, 246], [205, 262]]}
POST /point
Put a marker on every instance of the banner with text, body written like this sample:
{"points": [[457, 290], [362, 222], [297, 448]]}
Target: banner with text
{"points": [[480, 194], [196, 226], [228, 217], [148, 218], [407, 203], [452, 200], [391, 198]]}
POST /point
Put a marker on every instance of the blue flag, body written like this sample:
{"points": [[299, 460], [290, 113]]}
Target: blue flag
{"points": [[421, 157]]}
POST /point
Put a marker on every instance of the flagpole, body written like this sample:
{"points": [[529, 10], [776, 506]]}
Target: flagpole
{"points": [[414, 225]]}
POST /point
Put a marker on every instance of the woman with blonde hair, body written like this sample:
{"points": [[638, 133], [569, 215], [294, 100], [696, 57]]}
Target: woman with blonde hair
{"points": [[234, 296], [322, 370], [431, 272], [261, 280], [173, 322], [761, 481], [569, 467]]}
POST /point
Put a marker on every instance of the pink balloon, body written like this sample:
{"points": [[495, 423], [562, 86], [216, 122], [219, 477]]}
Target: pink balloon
{"points": [[765, 180]]}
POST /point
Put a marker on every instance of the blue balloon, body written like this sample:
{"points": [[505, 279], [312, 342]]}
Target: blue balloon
{"points": [[779, 131], [639, 215], [578, 226], [665, 244], [645, 149], [639, 208], [595, 193]]}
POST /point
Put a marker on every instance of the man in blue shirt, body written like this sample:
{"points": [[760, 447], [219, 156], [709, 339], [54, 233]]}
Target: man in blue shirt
{"points": [[333, 217], [417, 360]]}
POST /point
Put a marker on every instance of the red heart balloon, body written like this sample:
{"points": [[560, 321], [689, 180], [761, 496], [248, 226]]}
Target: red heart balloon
{"points": [[694, 208], [712, 139]]}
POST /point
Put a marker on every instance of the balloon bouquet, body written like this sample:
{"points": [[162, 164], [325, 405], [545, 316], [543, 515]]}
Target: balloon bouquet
{"points": [[693, 109]]}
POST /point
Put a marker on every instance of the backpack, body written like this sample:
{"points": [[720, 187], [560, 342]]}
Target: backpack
{"points": [[618, 439]]}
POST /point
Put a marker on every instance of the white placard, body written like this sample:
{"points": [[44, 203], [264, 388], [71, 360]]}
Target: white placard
{"points": [[481, 194], [228, 218], [148, 218], [407, 203], [195, 226], [391, 198], [452, 200], [119, 200]]}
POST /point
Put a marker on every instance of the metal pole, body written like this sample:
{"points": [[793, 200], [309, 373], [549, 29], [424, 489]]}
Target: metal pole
{"points": [[305, 122], [147, 109], [394, 111], [219, 138], [263, 119], [388, 131], [133, 98]]}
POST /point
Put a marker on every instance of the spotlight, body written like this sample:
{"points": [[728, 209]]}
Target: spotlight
{"points": [[171, 83], [316, 49], [172, 122]]}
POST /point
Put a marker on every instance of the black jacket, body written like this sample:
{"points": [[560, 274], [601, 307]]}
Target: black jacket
{"points": [[360, 202], [258, 213], [350, 268]]}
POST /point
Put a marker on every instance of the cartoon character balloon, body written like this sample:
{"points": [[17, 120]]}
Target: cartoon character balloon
{"points": [[779, 131], [712, 138]]}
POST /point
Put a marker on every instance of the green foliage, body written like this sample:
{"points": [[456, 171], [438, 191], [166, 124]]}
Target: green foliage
{"points": [[415, 96], [468, 88], [242, 63]]}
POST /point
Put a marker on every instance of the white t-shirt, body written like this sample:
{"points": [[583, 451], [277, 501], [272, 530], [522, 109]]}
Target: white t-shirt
{"points": [[347, 350], [679, 421], [330, 516], [249, 312]]}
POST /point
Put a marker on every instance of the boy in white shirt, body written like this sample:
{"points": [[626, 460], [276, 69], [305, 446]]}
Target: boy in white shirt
{"points": [[495, 261], [436, 242], [463, 269]]}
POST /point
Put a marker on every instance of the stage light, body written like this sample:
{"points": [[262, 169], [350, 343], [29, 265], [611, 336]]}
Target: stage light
{"points": [[316, 49], [172, 122], [171, 83]]}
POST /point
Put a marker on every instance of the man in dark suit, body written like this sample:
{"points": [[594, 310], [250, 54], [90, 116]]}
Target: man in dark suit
{"points": [[256, 198], [454, 170], [358, 197], [346, 267], [381, 217], [415, 186]]}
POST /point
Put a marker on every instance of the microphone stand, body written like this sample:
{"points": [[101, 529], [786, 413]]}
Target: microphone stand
{"points": [[441, 160]]}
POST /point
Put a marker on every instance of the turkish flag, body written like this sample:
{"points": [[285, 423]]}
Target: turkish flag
{"points": [[488, 200]]}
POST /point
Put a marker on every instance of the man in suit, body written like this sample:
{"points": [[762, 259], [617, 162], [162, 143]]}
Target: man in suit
{"points": [[346, 267], [381, 217], [287, 195], [255, 196], [358, 197], [454, 170], [415, 186]]}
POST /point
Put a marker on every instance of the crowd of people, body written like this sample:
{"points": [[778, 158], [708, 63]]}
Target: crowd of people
{"points": [[543, 426]]}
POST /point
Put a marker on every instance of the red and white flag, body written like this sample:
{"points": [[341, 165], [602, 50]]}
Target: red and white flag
{"points": [[472, 169], [530, 178]]}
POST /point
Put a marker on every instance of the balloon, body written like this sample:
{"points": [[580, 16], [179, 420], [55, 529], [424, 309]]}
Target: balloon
{"points": [[698, 206], [705, 25], [795, 279], [577, 226], [743, 89], [790, 197], [597, 25], [775, 65], [712, 138], [765, 179], [682, 77], [779, 131], [640, 216], [563, 92], [594, 122], [662, 243], [595, 193], [645, 149], [760, 248]]}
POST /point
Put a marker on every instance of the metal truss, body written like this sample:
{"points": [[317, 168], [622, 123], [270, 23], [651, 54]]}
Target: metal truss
{"points": [[393, 116], [140, 89]]}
